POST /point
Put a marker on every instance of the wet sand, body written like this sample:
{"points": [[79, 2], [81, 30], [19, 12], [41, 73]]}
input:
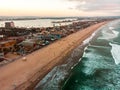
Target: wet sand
{"points": [[21, 73]]}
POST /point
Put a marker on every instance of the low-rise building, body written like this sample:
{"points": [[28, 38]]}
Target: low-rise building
{"points": [[7, 45], [9, 25]]}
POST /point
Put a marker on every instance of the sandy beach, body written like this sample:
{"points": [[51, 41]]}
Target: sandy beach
{"points": [[22, 73]]}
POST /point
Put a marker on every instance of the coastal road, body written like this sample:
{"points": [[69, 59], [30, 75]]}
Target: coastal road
{"points": [[21, 73]]}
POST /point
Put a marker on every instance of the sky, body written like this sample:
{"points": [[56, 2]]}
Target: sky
{"points": [[58, 8]]}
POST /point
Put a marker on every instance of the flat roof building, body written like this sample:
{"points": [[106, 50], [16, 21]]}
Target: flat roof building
{"points": [[9, 25]]}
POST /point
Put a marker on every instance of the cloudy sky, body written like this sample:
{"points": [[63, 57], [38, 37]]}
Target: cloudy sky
{"points": [[59, 7]]}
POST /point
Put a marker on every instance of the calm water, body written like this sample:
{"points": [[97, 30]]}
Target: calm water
{"points": [[35, 23], [99, 68]]}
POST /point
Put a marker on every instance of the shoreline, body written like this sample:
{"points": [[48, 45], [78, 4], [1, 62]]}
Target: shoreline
{"points": [[57, 77], [32, 69]]}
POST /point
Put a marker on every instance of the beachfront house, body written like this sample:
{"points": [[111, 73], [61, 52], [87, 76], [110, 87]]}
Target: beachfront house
{"points": [[6, 46], [27, 45]]}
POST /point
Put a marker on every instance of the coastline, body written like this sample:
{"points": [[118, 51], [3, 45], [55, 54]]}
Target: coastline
{"points": [[57, 77], [97, 68], [22, 74]]}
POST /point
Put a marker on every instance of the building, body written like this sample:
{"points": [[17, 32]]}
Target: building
{"points": [[6, 45], [9, 25]]}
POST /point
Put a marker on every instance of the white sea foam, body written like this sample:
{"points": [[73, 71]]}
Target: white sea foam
{"points": [[115, 32], [89, 38], [109, 33], [115, 51], [86, 41], [111, 28]]}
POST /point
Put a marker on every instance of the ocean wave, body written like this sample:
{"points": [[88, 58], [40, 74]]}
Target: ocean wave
{"points": [[86, 41], [109, 33], [115, 51], [111, 28]]}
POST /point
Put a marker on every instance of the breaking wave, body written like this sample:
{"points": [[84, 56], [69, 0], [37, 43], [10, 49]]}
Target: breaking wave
{"points": [[115, 51], [109, 33]]}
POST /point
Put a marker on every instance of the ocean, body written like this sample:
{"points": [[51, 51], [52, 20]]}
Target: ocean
{"points": [[99, 67], [36, 22]]}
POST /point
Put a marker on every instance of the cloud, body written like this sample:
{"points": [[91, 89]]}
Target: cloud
{"points": [[107, 6]]}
